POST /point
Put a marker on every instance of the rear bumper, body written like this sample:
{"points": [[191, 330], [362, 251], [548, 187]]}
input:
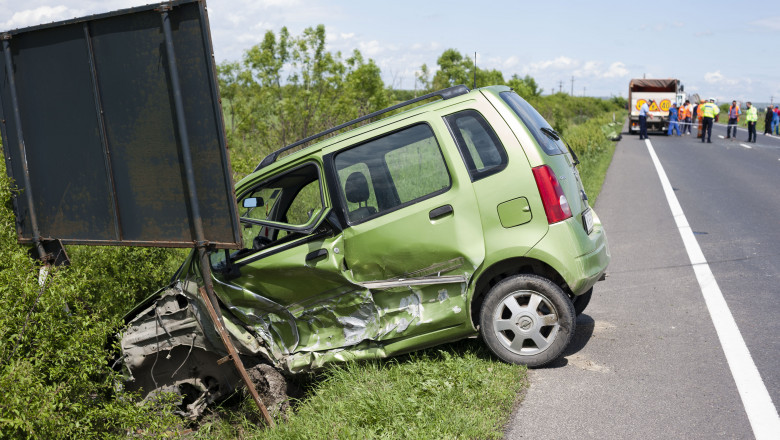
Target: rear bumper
{"points": [[580, 258], [592, 267]]}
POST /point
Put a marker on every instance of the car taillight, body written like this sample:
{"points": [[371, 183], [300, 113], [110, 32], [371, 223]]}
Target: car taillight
{"points": [[555, 204]]}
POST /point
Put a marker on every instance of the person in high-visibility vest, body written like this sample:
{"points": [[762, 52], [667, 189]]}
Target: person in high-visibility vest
{"points": [[682, 115], [697, 115], [688, 117], [709, 112], [734, 113], [752, 118]]}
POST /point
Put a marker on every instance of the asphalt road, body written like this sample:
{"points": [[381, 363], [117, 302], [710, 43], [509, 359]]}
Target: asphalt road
{"points": [[647, 361]]}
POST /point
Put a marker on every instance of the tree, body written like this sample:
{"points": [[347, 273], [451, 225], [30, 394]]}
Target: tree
{"points": [[455, 69], [525, 87], [288, 88], [423, 78]]}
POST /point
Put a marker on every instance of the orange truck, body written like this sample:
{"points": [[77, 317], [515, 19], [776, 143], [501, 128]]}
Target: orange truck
{"points": [[659, 94]]}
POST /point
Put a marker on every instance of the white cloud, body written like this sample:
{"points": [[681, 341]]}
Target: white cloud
{"points": [[429, 46], [373, 48], [771, 23], [510, 63], [717, 78], [556, 64], [616, 70], [43, 14], [277, 3], [577, 68]]}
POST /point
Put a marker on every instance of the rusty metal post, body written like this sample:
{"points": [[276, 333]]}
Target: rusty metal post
{"points": [[207, 292], [9, 68]]}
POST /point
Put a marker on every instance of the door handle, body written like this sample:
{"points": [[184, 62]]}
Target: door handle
{"points": [[316, 255], [441, 211]]}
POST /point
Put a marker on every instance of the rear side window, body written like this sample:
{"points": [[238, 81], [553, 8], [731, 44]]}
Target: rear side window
{"points": [[478, 144], [545, 136], [386, 173]]}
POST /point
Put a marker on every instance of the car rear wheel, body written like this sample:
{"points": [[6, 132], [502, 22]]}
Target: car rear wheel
{"points": [[581, 302], [527, 319]]}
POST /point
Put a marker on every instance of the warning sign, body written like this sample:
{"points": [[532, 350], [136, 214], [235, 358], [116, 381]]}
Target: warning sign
{"points": [[653, 106]]}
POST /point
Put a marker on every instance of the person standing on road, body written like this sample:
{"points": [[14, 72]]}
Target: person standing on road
{"points": [[644, 112], [776, 121], [697, 117], [673, 117], [734, 113], [709, 112], [688, 110], [768, 120], [752, 118], [681, 114]]}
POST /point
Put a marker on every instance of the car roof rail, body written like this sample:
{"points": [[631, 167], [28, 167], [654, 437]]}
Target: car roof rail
{"points": [[450, 92]]}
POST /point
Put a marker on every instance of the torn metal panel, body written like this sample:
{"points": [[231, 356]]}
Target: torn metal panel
{"points": [[413, 282], [171, 347], [356, 317]]}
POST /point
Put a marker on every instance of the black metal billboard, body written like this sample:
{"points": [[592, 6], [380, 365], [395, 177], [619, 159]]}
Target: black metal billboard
{"points": [[113, 131]]}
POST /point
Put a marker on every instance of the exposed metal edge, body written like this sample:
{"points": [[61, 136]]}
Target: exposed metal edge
{"points": [[422, 281], [141, 243]]}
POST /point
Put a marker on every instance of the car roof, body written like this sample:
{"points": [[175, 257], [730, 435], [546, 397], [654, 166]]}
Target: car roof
{"points": [[447, 94]]}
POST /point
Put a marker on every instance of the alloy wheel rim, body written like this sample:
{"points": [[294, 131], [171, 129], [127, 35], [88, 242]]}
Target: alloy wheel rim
{"points": [[526, 322]]}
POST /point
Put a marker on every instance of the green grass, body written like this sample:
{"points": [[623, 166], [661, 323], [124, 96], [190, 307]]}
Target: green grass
{"points": [[591, 142], [455, 391]]}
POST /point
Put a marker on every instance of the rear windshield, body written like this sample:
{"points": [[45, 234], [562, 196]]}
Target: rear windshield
{"points": [[547, 138]]}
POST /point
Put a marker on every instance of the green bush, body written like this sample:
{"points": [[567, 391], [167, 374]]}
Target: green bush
{"points": [[592, 142], [55, 349]]}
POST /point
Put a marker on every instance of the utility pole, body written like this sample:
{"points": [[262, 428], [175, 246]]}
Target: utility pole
{"points": [[572, 86], [560, 86]]}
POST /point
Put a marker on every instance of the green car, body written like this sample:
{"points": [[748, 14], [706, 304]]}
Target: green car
{"points": [[460, 217]]}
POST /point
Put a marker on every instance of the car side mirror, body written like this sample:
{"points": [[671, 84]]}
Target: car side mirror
{"points": [[252, 202]]}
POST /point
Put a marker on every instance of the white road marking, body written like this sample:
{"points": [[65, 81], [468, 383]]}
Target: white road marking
{"points": [[746, 146], [722, 137], [761, 412]]}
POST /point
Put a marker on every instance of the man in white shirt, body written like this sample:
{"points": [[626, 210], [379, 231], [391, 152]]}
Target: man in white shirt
{"points": [[644, 112]]}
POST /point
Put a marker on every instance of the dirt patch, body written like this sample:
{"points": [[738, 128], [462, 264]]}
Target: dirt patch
{"points": [[274, 389], [582, 362]]}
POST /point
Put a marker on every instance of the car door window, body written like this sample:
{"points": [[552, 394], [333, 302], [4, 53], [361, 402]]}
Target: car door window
{"points": [[386, 173], [478, 144], [277, 210]]}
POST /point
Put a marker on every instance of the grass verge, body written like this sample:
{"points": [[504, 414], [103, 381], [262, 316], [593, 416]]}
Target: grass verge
{"points": [[592, 143], [453, 391]]}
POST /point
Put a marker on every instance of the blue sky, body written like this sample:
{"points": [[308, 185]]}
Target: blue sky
{"points": [[727, 50]]}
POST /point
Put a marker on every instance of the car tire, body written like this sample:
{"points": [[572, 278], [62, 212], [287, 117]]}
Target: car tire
{"points": [[581, 302], [527, 320]]}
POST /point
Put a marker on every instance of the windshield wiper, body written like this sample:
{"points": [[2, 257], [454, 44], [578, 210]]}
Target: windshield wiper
{"points": [[552, 134], [573, 155]]}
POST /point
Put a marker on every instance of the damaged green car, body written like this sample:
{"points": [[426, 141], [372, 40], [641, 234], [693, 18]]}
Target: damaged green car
{"points": [[464, 216]]}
